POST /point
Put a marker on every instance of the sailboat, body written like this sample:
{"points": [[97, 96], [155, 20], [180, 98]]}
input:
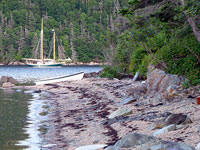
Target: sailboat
{"points": [[43, 62]]}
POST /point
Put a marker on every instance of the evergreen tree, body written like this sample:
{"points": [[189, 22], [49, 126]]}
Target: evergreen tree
{"points": [[89, 22], [35, 46], [61, 51], [74, 54], [21, 42], [11, 21], [1, 45], [31, 21], [10, 56]]}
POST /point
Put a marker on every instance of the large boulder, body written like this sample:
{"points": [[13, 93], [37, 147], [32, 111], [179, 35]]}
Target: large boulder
{"points": [[5, 79], [162, 86], [177, 119], [138, 141], [7, 85], [12, 80]]}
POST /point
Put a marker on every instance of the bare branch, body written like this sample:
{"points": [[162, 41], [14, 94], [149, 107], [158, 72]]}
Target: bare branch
{"points": [[191, 22]]}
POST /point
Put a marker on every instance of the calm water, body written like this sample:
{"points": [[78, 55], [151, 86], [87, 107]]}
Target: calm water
{"points": [[13, 111], [25, 73], [22, 112]]}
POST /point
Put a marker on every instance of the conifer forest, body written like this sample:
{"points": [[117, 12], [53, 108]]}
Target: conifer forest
{"points": [[126, 34]]}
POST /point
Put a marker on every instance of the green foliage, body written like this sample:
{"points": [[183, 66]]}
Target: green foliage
{"points": [[110, 72], [20, 20], [133, 2], [87, 50], [163, 39], [186, 84], [179, 55], [192, 7], [18, 57], [124, 50], [11, 54], [143, 66]]}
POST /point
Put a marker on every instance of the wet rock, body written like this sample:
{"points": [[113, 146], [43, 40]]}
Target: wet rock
{"points": [[128, 100], [123, 111], [7, 85], [12, 80], [138, 141], [92, 147], [37, 91], [168, 128], [5, 79]]}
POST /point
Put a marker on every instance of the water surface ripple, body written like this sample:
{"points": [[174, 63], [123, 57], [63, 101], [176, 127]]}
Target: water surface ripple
{"points": [[25, 73]]}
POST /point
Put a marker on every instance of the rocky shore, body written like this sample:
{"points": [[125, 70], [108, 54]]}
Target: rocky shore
{"points": [[98, 113]]}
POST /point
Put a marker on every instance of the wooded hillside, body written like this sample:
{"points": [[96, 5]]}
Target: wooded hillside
{"points": [[82, 28], [128, 34], [165, 33]]}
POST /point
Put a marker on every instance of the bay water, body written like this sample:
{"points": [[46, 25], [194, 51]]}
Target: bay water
{"points": [[20, 110], [25, 73]]}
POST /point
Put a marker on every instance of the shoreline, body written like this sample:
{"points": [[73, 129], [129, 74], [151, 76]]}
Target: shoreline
{"points": [[80, 109], [67, 64], [65, 118]]}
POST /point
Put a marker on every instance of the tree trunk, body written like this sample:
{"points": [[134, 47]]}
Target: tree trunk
{"points": [[194, 28], [74, 54], [192, 23]]}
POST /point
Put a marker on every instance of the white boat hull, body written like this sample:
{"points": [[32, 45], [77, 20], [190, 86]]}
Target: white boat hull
{"points": [[77, 76], [46, 65]]}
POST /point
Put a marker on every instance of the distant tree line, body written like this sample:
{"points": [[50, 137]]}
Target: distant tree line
{"points": [[83, 28]]}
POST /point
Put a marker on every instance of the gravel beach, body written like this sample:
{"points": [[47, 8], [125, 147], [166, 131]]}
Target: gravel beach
{"points": [[80, 109]]}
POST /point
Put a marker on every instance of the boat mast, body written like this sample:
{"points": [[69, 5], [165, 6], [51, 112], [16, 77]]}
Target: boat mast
{"points": [[42, 55], [54, 45]]}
